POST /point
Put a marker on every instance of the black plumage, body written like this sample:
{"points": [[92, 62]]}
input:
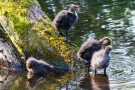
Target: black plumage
{"points": [[42, 68], [65, 19], [38, 67], [88, 48]]}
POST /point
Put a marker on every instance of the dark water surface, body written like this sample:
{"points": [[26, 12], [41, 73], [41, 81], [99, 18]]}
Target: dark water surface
{"points": [[97, 18]]}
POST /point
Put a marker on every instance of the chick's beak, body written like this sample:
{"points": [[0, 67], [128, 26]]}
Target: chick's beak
{"points": [[78, 9], [105, 43]]}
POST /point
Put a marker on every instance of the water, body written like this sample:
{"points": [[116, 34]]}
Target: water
{"points": [[97, 18]]}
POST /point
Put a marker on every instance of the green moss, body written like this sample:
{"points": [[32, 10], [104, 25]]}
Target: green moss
{"points": [[21, 26], [26, 3], [38, 39]]}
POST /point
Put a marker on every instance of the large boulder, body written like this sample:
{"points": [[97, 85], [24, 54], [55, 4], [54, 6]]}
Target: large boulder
{"points": [[32, 34]]}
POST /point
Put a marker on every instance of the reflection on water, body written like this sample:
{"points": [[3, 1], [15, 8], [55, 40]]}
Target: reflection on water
{"points": [[94, 82], [6, 78], [34, 80], [98, 18]]}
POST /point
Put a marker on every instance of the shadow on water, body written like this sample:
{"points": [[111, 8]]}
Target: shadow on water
{"points": [[94, 82]]}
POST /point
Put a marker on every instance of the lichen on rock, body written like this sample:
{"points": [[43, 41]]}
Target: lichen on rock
{"points": [[32, 33]]}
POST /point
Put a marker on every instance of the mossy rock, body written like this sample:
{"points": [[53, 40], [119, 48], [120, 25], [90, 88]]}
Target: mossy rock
{"points": [[32, 33]]}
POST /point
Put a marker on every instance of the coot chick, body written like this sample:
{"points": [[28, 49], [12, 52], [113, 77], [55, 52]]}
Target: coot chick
{"points": [[65, 19], [42, 68], [101, 59], [89, 47], [38, 67]]}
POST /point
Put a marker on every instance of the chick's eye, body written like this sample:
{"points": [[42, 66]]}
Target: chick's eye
{"points": [[75, 6]]}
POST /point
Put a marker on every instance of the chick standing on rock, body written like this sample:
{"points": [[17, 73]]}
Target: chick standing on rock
{"points": [[65, 19]]}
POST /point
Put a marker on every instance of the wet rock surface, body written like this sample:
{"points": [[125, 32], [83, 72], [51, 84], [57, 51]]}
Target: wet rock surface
{"points": [[9, 57], [35, 14]]}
